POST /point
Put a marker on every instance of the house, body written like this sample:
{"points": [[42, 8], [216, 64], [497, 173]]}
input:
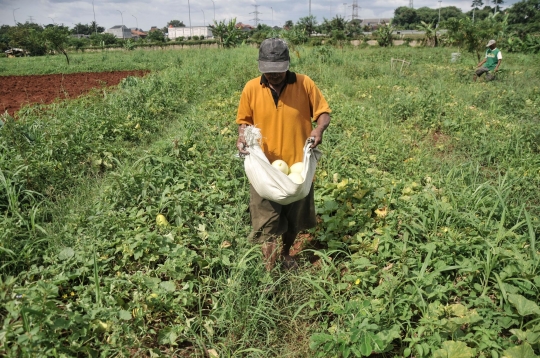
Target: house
{"points": [[120, 32], [138, 34], [375, 23], [185, 32], [244, 27]]}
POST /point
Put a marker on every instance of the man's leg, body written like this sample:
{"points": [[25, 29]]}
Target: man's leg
{"points": [[270, 254], [267, 225], [479, 72], [288, 241]]}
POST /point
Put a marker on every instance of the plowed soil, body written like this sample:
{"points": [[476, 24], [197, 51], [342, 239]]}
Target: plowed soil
{"points": [[16, 91]]}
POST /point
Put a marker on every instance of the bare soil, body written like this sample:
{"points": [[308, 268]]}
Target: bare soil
{"points": [[17, 91]]}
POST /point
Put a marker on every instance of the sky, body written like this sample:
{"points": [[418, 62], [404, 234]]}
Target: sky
{"points": [[147, 13]]}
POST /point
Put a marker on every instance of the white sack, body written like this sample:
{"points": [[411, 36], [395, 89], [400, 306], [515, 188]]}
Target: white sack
{"points": [[269, 182]]}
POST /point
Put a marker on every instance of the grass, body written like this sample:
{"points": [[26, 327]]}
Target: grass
{"points": [[427, 198]]}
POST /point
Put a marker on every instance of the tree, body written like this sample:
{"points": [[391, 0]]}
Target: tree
{"points": [[524, 17], [227, 34], [337, 23], [288, 25], [57, 38], [156, 36], [384, 35], [427, 15], [498, 4], [175, 23], [27, 36], [307, 24], [405, 17], [95, 28], [430, 33], [103, 39], [476, 4], [473, 36]]}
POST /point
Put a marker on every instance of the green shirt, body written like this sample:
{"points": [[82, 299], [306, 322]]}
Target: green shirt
{"points": [[492, 58]]}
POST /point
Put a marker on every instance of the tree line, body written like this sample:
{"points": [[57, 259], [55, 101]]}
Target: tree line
{"points": [[516, 28]]}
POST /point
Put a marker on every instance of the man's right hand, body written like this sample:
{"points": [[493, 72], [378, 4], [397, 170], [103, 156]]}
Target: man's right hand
{"points": [[241, 145], [241, 141]]}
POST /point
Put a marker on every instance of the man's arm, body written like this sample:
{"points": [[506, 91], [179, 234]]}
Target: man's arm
{"points": [[323, 121], [498, 64], [481, 63]]}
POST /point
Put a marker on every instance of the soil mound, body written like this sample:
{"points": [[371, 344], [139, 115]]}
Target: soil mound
{"points": [[16, 91]]}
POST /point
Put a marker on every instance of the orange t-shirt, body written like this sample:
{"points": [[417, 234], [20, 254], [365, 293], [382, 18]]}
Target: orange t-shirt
{"points": [[285, 127]]}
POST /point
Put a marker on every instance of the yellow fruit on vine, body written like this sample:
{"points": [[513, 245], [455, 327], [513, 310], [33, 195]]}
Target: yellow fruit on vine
{"points": [[161, 220]]}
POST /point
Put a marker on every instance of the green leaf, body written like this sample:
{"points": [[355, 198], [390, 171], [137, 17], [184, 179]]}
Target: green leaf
{"points": [[61, 323], [167, 336], [125, 315], [168, 286], [365, 344], [451, 349], [524, 306], [523, 351], [66, 254], [318, 339]]}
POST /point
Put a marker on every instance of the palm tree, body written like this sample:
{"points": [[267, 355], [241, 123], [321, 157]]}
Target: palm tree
{"points": [[476, 4], [430, 33]]}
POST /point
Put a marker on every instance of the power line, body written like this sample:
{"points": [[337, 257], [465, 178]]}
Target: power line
{"points": [[354, 15], [256, 12]]}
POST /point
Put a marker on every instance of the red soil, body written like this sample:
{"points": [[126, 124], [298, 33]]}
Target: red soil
{"points": [[16, 91]]}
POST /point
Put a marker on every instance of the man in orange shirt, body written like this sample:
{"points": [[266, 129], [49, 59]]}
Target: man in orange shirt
{"points": [[283, 105]]}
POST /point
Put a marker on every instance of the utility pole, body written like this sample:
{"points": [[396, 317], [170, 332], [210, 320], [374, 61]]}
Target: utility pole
{"points": [[15, 21], [411, 4], [136, 21], [345, 6], [204, 18], [189, 15], [440, 1], [213, 3], [271, 8], [256, 12], [309, 7], [121, 14], [94, 10]]}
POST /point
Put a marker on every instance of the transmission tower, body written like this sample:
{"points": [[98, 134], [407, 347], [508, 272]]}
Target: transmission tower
{"points": [[411, 4], [354, 15], [256, 12]]}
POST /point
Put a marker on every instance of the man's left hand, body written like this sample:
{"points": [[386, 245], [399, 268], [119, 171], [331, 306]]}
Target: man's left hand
{"points": [[322, 123], [317, 135]]}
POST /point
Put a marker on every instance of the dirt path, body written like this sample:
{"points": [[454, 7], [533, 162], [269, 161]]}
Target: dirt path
{"points": [[16, 91]]}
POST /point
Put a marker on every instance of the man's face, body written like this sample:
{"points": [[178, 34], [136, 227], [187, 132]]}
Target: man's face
{"points": [[493, 46], [275, 78]]}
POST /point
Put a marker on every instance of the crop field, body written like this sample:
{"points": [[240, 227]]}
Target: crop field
{"points": [[427, 199]]}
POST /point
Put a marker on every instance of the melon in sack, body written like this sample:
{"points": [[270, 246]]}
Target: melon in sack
{"points": [[269, 182]]}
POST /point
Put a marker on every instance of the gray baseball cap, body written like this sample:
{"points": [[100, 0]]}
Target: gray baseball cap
{"points": [[273, 56], [491, 42]]}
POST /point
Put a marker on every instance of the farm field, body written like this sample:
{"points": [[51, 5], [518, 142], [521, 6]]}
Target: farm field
{"points": [[18, 91], [427, 197]]}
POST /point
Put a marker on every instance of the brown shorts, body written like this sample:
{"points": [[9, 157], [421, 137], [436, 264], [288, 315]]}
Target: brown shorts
{"points": [[489, 76], [269, 220]]}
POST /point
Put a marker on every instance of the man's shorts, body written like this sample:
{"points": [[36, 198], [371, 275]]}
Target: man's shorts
{"points": [[269, 220], [482, 70]]}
